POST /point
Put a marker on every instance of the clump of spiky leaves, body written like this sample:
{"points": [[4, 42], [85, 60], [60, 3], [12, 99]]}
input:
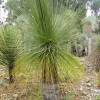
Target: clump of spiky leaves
{"points": [[51, 30], [10, 48]]}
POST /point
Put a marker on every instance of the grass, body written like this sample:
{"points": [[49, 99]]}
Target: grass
{"points": [[98, 97]]}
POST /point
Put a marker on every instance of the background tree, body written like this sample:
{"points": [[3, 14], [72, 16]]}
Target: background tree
{"points": [[96, 6]]}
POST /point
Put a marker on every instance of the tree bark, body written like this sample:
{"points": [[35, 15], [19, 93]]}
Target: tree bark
{"points": [[50, 92], [50, 89], [98, 79], [89, 46], [11, 76]]}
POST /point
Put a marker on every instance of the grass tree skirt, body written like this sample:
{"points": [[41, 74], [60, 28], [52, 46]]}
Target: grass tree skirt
{"points": [[50, 92]]}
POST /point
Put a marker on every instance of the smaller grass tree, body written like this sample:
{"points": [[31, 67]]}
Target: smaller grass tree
{"points": [[9, 49]]}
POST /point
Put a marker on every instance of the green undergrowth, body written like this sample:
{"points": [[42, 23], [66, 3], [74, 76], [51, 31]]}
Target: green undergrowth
{"points": [[98, 97]]}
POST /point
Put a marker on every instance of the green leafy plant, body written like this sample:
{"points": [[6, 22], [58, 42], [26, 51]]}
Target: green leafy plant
{"points": [[50, 32], [51, 29], [10, 46]]}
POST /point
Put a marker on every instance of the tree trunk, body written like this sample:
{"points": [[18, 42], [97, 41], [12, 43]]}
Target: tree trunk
{"points": [[89, 46], [98, 79], [11, 76], [50, 92]]}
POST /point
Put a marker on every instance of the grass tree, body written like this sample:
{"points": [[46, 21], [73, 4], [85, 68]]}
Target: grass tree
{"points": [[51, 30], [9, 49], [52, 27]]}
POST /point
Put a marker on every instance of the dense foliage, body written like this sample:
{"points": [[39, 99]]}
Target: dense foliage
{"points": [[10, 45]]}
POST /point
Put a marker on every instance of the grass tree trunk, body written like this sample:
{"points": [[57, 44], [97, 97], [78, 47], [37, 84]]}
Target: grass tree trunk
{"points": [[50, 89], [11, 76], [89, 46]]}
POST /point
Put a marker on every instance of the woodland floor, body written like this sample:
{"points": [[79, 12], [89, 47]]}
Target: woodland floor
{"points": [[86, 89]]}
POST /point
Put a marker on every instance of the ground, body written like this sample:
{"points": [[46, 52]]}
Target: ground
{"points": [[86, 89]]}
